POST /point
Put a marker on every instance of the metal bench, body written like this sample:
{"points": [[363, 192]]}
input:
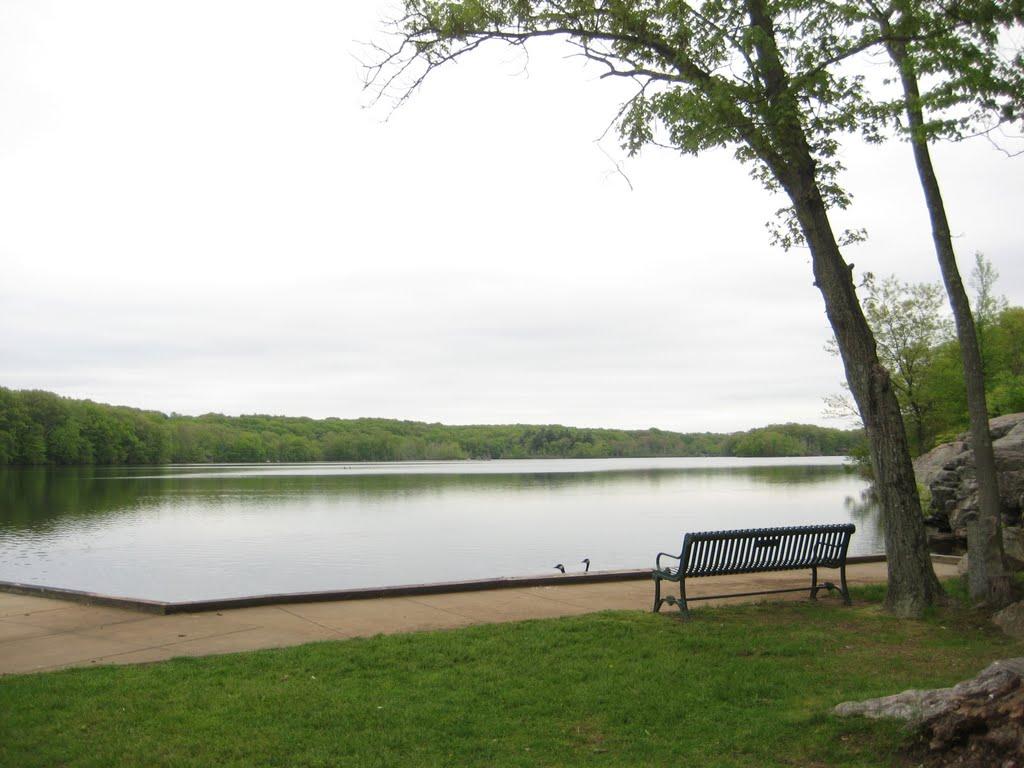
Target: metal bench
{"points": [[757, 550]]}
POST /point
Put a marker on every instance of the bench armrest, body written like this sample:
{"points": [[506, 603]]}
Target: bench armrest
{"points": [[657, 560]]}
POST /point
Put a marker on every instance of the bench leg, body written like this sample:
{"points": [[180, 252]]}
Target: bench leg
{"points": [[842, 581], [657, 594], [683, 609], [814, 582]]}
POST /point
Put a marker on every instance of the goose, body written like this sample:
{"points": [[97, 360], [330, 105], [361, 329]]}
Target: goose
{"points": [[560, 567], [586, 562]]}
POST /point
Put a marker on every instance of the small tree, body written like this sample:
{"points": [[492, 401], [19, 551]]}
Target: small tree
{"points": [[909, 324], [751, 75], [1007, 352], [987, 305]]}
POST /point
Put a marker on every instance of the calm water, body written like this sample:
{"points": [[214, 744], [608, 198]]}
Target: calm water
{"points": [[192, 532]]}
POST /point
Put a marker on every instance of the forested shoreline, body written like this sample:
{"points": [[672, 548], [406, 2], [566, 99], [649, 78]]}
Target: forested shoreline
{"points": [[40, 428]]}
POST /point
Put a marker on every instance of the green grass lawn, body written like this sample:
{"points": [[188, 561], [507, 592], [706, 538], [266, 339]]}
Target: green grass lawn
{"points": [[747, 685]]}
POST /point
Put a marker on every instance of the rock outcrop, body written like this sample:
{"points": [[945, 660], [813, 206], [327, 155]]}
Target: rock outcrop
{"points": [[976, 724], [916, 706], [1011, 620], [948, 473]]}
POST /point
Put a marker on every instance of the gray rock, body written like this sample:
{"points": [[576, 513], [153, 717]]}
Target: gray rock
{"points": [[929, 465], [1013, 546], [916, 706], [1011, 620], [948, 472]]}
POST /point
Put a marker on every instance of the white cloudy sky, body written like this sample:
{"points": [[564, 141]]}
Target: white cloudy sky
{"points": [[199, 212]]}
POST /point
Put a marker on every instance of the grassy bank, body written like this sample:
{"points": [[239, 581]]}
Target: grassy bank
{"points": [[737, 686]]}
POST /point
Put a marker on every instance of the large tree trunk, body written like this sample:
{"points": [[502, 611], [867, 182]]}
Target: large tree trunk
{"points": [[987, 576], [913, 585]]}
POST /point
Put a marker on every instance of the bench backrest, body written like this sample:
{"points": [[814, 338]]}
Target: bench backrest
{"points": [[717, 553]]}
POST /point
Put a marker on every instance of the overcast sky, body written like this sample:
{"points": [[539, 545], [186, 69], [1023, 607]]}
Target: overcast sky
{"points": [[200, 212]]}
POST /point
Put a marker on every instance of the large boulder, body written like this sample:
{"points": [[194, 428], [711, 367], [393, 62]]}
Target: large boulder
{"points": [[1013, 545], [976, 724], [949, 474], [1011, 620], [916, 706]]}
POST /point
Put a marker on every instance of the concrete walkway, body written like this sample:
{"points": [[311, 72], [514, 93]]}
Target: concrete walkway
{"points": [[38, 634]]}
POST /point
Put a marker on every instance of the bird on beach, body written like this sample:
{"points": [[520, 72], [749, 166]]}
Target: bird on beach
{"points": [[586, 562], [560, 567]]}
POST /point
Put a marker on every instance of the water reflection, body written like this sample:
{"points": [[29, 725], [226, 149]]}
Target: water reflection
{"points": [[189, 532]]}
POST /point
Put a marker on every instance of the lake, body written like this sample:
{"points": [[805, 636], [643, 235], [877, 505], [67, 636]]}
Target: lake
{"points": [[208, 531]]}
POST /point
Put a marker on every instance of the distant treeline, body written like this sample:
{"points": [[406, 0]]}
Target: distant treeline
{"points": [[43, 428]]}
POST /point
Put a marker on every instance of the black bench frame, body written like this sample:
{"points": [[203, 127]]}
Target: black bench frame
{"points": [[756, 550]]}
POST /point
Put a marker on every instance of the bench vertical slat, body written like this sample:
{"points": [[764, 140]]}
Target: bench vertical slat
{"points": [[756, 554], [721, 547], [743, 557], [821, 549], [686, 555], [723, 556], [788, 546], [720, 554], [693, 566], [749, 551], [807, 553], [732, 555], [802, 558], [720, 551], [814, 549], [708, 559], [795, 551], [822, 545], [707, 555], [746, 551], [825, 546], [829, 546], [777, 553], [773, 555], [699, 556], [710, 552]]}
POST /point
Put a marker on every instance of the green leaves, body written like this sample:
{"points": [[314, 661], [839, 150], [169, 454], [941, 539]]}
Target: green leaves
{"points": [[974, 78], [701, 81]]}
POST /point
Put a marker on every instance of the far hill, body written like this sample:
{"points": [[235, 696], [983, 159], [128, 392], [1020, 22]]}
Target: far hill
{"points": [[43, 428]]}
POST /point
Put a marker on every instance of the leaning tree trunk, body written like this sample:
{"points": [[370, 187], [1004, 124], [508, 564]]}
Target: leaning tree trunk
{"points": [[913, 585], [987, 576]]}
